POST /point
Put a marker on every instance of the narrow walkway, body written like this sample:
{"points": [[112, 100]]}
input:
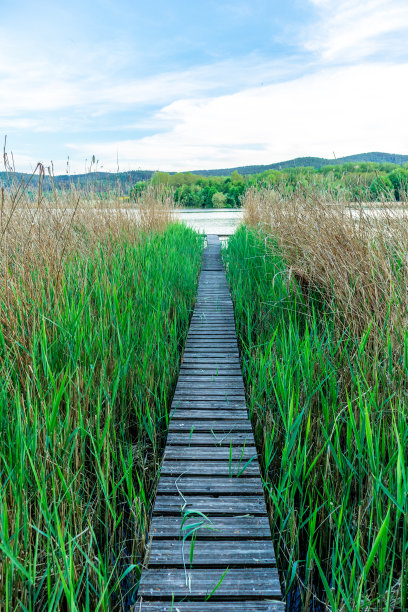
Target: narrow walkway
{"points": [[210, 484]]}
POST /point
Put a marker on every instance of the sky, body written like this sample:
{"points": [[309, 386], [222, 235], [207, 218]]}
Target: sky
{"points": [[188, 85]]}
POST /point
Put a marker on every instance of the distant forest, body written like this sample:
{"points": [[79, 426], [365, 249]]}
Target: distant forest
{"points": [[363, 181], [128, 183]]}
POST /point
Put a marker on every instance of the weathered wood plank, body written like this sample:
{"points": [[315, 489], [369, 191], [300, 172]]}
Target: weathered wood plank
{"points": [[224, 527], [210, 342], [228, 416], [214, 382], [215, 353], [223, 378], [212, 360], [212, 403], [210, 606], [197, 438], [210, 384], [242, 469], [202, 485], [208, 370], [218, 505], [218, 553], [237, 583], [241, 425], [213, 453], [213, 332], [206, 357], [203, 331], [208, 394], [212, 321]]}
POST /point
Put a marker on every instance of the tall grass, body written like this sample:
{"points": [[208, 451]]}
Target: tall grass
{"points": [[94, 310], [326, 362]]}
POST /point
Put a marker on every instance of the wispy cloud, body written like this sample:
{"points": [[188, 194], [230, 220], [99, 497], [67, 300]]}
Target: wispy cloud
{"points": [[325, 86], [349, 31], [332, 111]]}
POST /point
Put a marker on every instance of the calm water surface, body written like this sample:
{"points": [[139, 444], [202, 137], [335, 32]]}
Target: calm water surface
{"points": [[223, 221]]}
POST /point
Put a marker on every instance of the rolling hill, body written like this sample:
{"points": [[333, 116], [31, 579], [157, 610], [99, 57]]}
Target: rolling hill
{"points": [[123, 181]]}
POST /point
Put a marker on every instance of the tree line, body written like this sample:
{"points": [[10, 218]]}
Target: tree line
{"points": [[365, 182]]}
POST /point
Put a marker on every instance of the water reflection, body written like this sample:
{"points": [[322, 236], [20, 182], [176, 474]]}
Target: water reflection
{"points": [[223, 221]]}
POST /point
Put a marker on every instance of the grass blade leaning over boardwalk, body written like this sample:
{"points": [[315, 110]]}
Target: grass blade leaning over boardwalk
{"points": [[89, 355], [330, 414]]}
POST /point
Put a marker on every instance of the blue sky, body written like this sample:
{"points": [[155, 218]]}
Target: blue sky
{"points": [[188, 85]]}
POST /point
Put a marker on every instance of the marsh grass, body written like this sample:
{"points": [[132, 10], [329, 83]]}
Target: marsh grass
{"points": [[320, 305], [94, 310]]}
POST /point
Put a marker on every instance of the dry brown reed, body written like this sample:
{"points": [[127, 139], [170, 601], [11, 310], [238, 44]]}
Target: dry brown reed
{"points": [[48, 226], [81, 291], [352, 255]]}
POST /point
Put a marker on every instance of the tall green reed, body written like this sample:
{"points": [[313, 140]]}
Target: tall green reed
{"points": [[88, 363], [330, 416]]}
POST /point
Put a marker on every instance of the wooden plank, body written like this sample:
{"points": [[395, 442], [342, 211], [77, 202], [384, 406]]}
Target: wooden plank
{"points": [[237, 583], [221, 378], [213, 360], [216, 553], [207, 394], [220, 337], [241, 425], [209, 324], [224, 527], [214, 453], [208, 370], [211, 346], [211, 306], [205, 331], [228, 416], [215, 353], [216, 324], [213, 320], [209, 606], [203, 380], [202, 395], [229, 505], [210, 485], [213, 316], [235, 467], [217, 404], [206, 357], [210, 440], [211, 383], [210, 342]]}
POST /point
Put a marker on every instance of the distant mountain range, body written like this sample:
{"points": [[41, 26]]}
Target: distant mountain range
{"points": [[316, 162], [123, 181]]}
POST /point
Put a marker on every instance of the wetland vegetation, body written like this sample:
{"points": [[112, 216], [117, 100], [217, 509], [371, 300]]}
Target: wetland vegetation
{"points": [[321, 309], [95, 304], [94, 312]]}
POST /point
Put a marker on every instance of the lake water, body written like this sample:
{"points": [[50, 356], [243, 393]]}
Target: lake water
{"points": [[222, 221]]}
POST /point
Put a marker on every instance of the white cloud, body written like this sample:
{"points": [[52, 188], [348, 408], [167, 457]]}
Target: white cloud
{"points": [[350, 31], [347, 100], [37, 79], [339, 110]]}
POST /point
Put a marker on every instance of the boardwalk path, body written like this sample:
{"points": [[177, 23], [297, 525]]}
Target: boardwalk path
{"points": [[206, 470]]}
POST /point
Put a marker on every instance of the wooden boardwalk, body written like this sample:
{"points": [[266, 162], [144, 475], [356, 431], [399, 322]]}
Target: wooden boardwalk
{"points": [[210, 483]]}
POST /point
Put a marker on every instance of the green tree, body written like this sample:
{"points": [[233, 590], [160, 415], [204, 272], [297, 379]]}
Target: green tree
{"points": [[219, 199], [161, 178], [236, 177]]}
